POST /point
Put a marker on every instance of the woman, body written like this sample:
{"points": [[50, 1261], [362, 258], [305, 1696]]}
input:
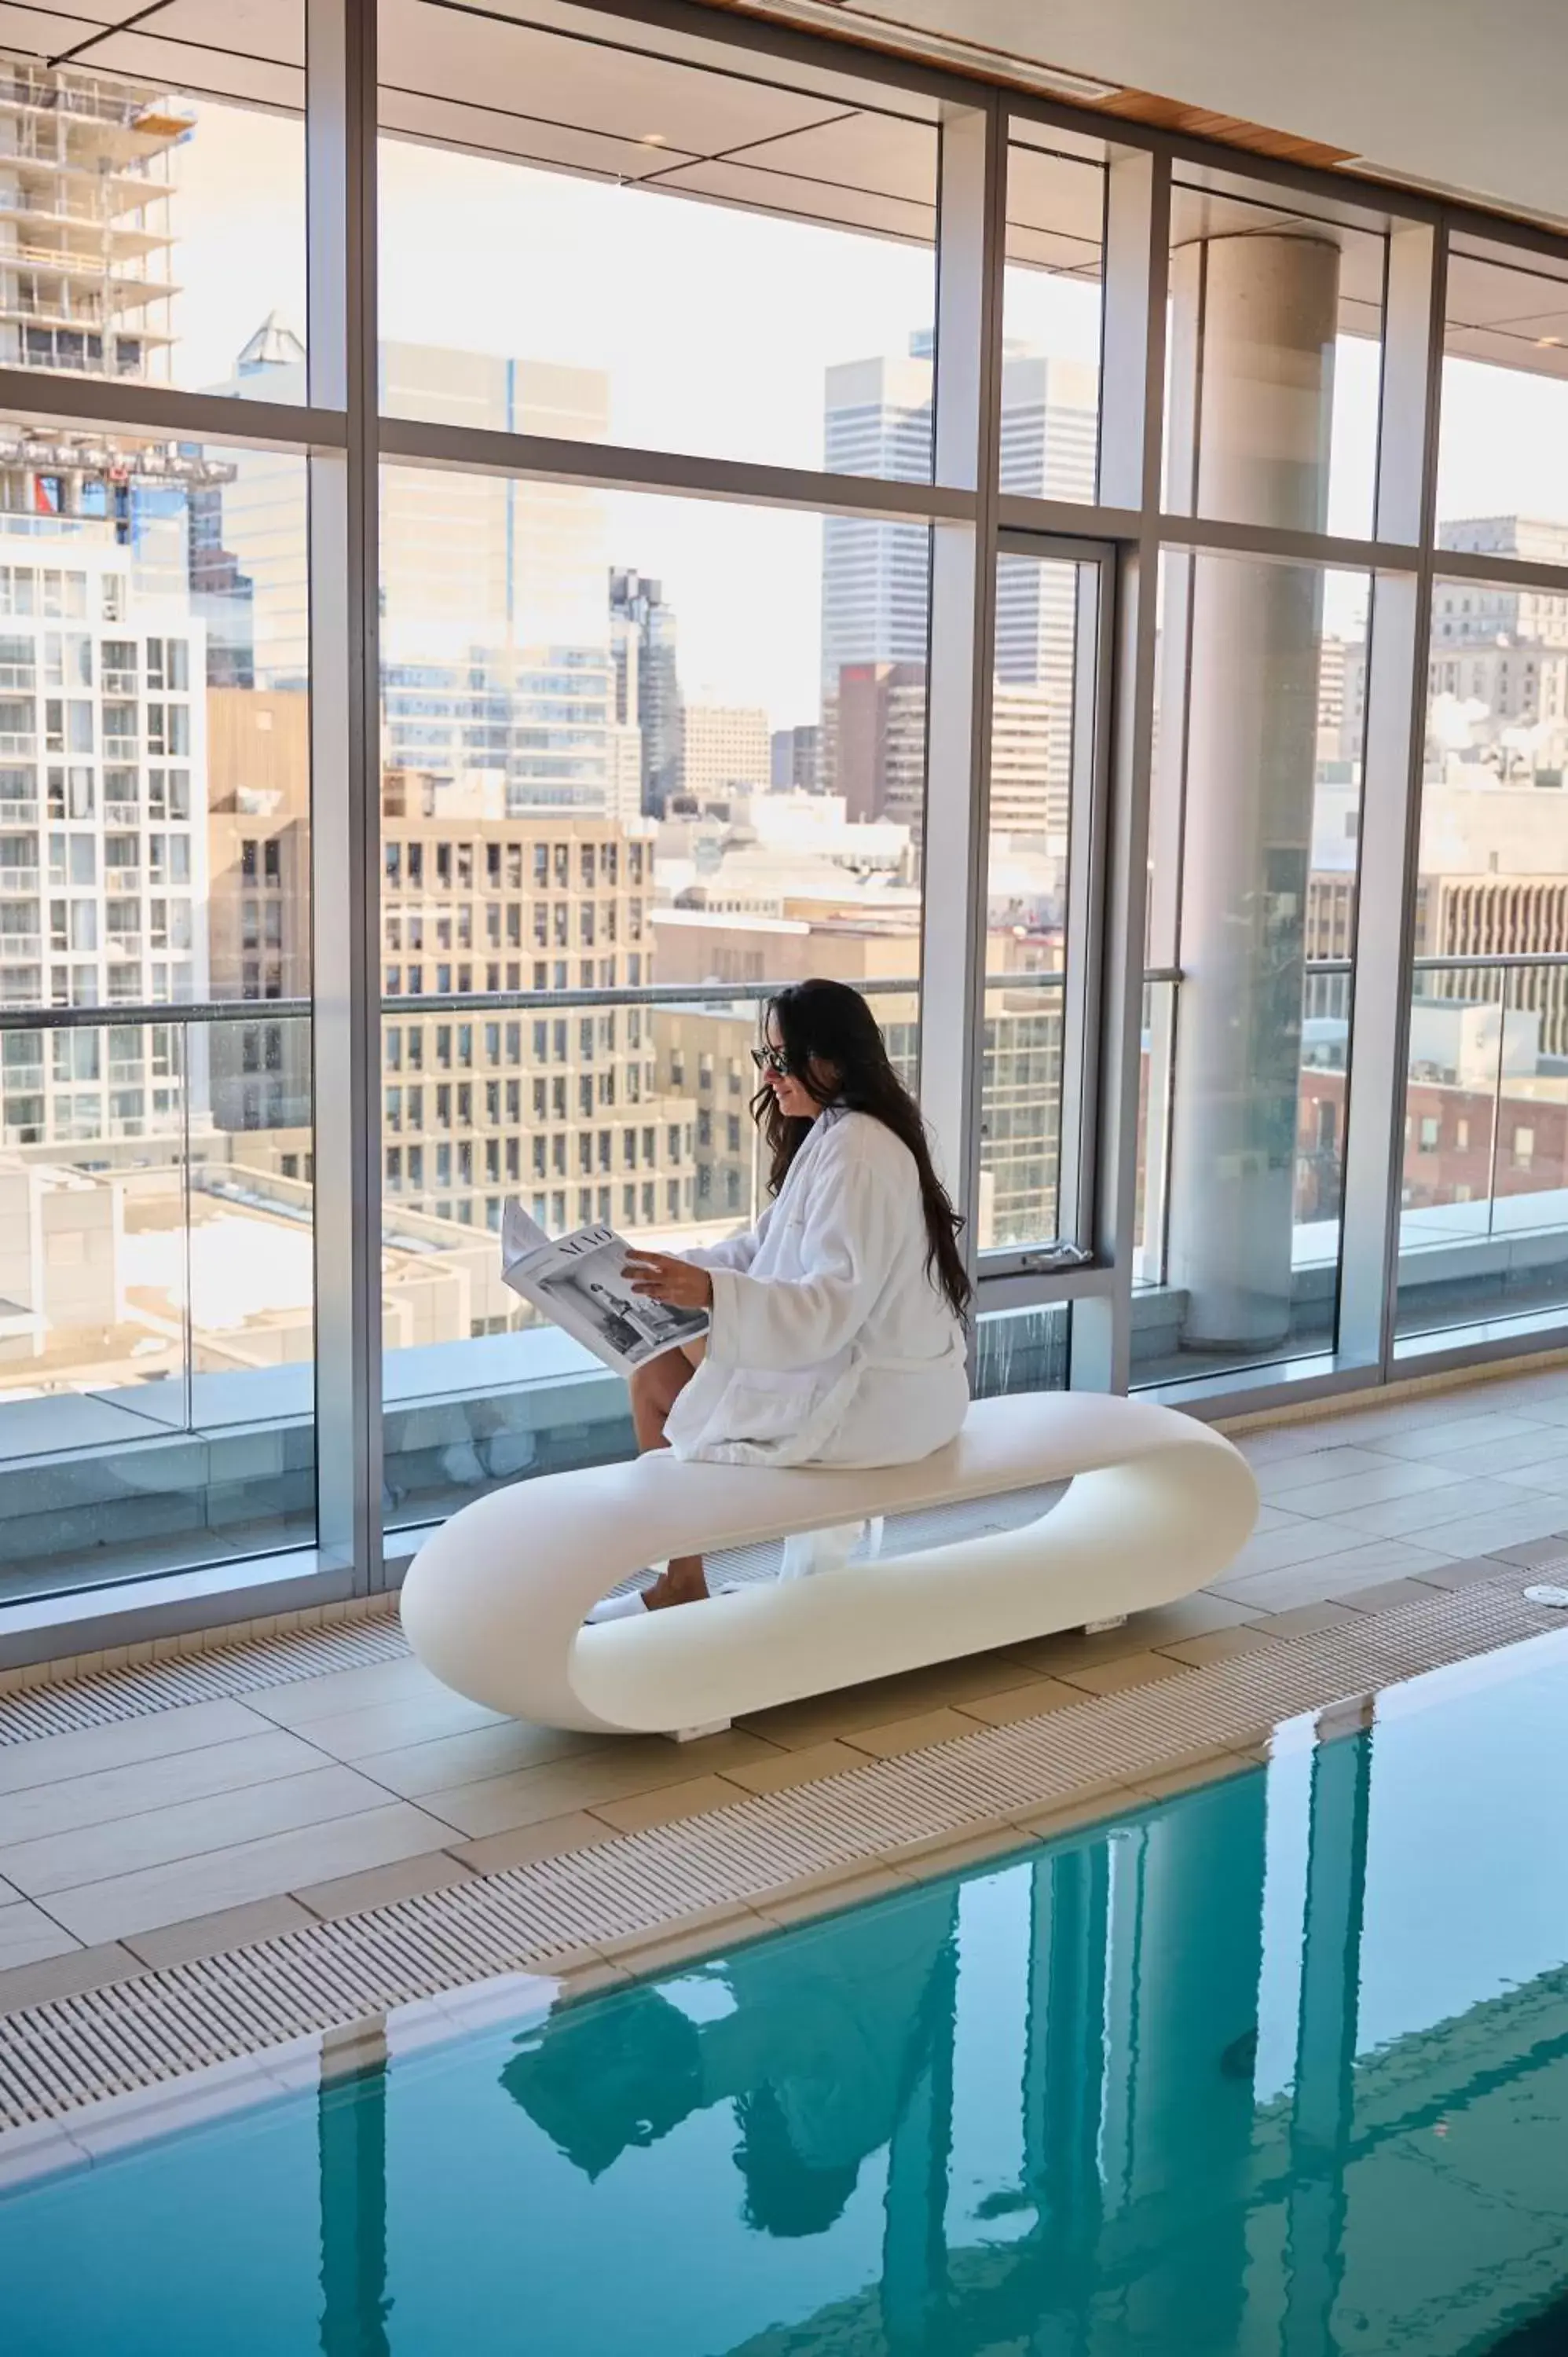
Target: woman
{"points": [[837, 1333]]}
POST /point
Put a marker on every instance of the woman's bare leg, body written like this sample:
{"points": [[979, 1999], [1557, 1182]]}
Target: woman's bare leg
{"points": [[655, 1387]]}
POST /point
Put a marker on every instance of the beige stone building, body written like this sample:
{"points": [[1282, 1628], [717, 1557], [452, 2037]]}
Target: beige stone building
{"points": [[561, 1106], [258, 909]]}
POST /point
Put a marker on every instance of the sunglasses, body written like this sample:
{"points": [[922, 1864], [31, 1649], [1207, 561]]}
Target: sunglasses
{"points": [[771, 1059]]}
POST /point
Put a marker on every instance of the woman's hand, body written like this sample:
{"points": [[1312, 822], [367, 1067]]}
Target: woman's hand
{"points": [[662, 1277]]}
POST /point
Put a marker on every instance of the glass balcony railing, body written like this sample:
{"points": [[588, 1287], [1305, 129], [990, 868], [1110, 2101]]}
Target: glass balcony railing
{"points": [[1483, 1218], [156, 1313], [1484, 1201], [157, 1344], [629, 1106]]}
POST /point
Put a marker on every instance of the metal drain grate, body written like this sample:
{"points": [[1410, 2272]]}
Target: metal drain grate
{"points": [[107, 1695], [138, 2033]]}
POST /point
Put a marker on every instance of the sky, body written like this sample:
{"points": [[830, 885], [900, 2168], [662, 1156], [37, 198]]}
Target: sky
{"points": [[714, 328]]}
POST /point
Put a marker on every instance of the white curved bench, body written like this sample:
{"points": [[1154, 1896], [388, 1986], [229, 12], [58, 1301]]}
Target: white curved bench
{"points": [[494, 1603]]}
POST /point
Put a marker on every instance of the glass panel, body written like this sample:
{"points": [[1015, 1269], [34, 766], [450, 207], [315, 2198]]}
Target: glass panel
{"points": [[567, 202], [582, 838], [1503, 473], [1040, 764], [1022, 1349], [155, 816], [1274, 362], [1051, 307], [1484, 1231], [151, 236], [1157, 1070], [1253, 862]]}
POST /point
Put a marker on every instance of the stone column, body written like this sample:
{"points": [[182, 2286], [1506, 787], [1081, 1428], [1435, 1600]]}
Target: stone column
{"points": [[1254, 328]]}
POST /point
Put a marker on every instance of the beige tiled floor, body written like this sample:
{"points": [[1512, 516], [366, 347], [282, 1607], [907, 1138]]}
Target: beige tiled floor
{"points": [[196, 1829]]}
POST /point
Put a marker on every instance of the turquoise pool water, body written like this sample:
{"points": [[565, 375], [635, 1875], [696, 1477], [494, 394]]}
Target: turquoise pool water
{"points": [[1279, 2067]]}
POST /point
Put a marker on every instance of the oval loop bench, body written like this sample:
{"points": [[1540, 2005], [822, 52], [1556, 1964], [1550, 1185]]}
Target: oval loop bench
{"points": [[493, 1604]]}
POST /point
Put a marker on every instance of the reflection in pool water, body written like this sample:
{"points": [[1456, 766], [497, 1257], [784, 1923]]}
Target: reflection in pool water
{"points": [[1277, 2066]]}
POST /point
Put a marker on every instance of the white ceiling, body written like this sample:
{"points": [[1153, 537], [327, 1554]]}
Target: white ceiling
{"points": [[1446, 94], [1437, 92], [1441, 93]]}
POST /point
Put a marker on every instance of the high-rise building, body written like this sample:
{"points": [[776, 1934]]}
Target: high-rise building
{"points": [[496, 638], [258, 903], [1505, 682], [725, 749], [1049, 409], [874, 738], [648, 685], [466, 560], [85, 165], [1030, 787], [103, 747], [875, 575], [103, 837], [1499, 654], [797, 760], [1333, 662], [1023, 1043], [1465, 613], [491, 560], [562, 1108], [534, 725], [1049, 426], [703, 1059], [1492, 885]]}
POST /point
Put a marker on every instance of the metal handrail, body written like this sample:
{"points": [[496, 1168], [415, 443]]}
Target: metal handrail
{"points": [[664, 993], [1504, 961], [475, 1003]]}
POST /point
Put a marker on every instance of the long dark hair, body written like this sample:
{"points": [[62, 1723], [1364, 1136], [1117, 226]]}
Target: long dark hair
{"points": [[831, 1023]]}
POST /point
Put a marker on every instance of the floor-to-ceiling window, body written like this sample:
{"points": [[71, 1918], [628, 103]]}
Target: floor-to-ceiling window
{"points": [[157, 1342], [575, 955], [517, 550], [645, 754], [1483, 1199]]}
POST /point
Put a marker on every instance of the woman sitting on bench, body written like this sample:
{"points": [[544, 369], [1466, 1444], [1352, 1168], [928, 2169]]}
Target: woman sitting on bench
{"points": [[837, 1333]]}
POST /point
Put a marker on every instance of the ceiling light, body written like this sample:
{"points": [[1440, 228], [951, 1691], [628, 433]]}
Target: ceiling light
{"points": [[653, 139], [1543, 342]]}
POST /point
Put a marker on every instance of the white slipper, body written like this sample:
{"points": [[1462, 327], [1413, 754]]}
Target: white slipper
{"points": [[617, 1608]]}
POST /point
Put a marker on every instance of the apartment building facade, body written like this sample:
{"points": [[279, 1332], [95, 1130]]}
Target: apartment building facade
{"points": [[561, 1105]]}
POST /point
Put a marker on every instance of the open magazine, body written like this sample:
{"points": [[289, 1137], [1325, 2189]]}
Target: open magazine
{"points": [[576, 1281]]}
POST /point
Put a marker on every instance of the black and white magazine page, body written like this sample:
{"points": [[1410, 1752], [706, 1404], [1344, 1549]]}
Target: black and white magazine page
{"points": [[578, 1283]]}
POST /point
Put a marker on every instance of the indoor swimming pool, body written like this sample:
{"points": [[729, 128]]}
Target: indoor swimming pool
{"points": [[1277, 2065]]}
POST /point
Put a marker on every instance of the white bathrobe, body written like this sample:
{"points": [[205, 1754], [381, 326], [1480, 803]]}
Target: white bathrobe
{"points": [[830, 1343]]}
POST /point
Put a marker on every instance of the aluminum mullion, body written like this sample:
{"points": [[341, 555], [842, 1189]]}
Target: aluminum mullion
{"points": [[604, 465], [110, 406], [1398, 624], [1067, 520], [1086, 896], [345, 786], [1404, 916], [1079, 547], [1210, 533], [1137, 270], [1500, 572], [970, 243], [1078, 983], [1010, 1288]]}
